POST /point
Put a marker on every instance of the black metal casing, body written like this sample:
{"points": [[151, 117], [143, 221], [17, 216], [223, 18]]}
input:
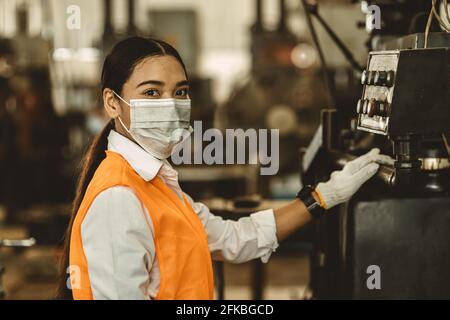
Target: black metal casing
{"points": [[407, 239]]}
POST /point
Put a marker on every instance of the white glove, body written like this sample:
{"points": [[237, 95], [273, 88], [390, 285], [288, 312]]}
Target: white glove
{"points": [[344, 184]]}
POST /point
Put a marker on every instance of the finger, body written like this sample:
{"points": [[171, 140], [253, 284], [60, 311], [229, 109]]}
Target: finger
{"points": [[366, 173], [384, 159], [362, 161], [334, 174]]}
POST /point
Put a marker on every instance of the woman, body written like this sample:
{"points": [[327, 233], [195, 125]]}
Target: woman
{"points": [[134, 234]]}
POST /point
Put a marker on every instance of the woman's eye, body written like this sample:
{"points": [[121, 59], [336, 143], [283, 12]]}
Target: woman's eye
{"points": [[151, 93], [182, 92]]}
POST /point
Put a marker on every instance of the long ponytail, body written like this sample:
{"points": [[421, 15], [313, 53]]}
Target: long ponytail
{"points": [[92, 159]]}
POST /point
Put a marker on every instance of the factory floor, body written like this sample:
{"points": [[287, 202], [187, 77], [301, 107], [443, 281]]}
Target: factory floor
{"points": [[31, 273], [286, 278]]}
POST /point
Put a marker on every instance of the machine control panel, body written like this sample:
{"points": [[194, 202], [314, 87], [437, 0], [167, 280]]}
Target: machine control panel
{"points": [[378, 80], [405, 91]]}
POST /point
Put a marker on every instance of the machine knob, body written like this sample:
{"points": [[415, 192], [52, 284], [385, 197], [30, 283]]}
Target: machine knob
{"points": [[359, 106], [365, 106], [383, 109], [364, 77], [384, 78], [380, 77], [371, 77], [371, 107], [377, 108], [390, 78]]}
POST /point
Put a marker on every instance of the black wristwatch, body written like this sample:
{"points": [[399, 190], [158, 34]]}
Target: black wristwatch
{"points": [[314, 207]]}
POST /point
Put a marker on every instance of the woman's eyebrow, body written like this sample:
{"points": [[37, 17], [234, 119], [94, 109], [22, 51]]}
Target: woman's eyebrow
{"points": [[155, 82], [182, 83], [161, 83]]}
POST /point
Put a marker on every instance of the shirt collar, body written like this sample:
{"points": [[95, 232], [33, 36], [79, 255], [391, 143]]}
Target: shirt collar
{"points": [[146, 165]]}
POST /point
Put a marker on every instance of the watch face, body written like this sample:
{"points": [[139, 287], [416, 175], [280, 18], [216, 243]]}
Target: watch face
{"points": [[306, 191]]}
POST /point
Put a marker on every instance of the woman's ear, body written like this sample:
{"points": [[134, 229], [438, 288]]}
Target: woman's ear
{"points": [[111, 104]]}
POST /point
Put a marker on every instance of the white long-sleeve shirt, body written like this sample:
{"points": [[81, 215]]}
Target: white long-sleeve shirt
{"points": [[117, 232]]}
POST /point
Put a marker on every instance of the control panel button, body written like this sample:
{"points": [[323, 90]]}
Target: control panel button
{"points": [[359, 106], [390, 78], [365, 106], [371, 77], [380, 78], [372, 107], [364, 77], [384, 78], [383, 109], [377, 108]]}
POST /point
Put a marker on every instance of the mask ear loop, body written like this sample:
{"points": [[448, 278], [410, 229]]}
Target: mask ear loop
{"points": [[123, 125], [118, 117], [118, 96]]}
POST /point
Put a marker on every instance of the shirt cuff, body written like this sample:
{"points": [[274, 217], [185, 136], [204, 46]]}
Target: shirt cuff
{"points": [[266, 232]]}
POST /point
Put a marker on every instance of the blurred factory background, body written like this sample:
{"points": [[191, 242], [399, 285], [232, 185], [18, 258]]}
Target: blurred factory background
{"points": [[252, 64]]}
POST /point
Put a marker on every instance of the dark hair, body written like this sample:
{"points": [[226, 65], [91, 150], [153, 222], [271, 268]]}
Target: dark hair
{"points": [[117, 69]]}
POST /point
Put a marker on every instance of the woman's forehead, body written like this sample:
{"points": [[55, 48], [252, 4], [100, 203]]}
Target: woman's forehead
{"points": [[166, 69]]}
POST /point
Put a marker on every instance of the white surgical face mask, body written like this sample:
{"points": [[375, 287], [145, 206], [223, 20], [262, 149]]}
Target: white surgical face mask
{"points": [[159, 125]]}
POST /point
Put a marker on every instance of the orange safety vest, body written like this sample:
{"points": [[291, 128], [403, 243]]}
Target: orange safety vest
{"points": [[181, 243]]}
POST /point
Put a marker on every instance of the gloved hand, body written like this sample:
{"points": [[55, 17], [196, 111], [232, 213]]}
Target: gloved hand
{"points": [[343, 184]]}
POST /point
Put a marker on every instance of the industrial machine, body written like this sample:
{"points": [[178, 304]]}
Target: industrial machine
{"points": [[400, 222], [395, 232]]}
